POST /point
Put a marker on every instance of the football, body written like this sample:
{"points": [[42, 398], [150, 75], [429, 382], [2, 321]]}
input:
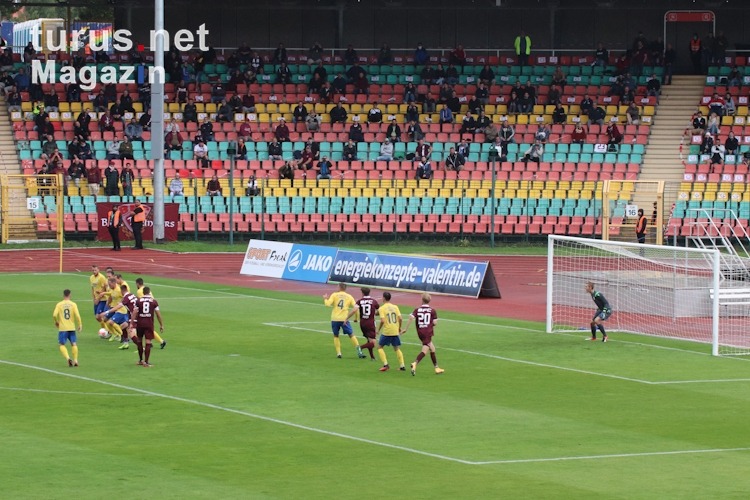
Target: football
{"points": [[103, 333]]}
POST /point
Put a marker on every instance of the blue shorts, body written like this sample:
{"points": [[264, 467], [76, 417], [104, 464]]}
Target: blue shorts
{"points": [[119, 318], [341, 325], [394, 340], [100, 307], [603, 315], [63, 337]]}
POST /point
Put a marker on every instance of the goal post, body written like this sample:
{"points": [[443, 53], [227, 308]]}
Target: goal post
{"points": [[662, 291]]}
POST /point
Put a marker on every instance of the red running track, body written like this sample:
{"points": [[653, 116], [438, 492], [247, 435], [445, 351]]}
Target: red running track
{"points": [[521, 279]]}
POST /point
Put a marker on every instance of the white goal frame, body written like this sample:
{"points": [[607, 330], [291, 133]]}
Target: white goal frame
{"points": [[710, 257]]}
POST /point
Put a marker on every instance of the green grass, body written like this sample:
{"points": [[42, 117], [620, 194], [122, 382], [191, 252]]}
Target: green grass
{"points": [[510, 392], [391, 246]]}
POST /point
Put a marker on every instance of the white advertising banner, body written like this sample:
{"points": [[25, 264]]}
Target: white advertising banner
{"points": [[266, 258]]}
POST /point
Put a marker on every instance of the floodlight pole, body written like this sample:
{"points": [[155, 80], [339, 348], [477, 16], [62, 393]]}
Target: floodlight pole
{"points": [[492, 208], [157, 121], [231, 152]]}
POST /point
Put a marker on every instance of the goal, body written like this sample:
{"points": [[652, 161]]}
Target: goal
{"points": [[673, 292]]}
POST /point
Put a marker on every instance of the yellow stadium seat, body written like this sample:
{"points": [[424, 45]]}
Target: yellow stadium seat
{"points": [[509, 193]]}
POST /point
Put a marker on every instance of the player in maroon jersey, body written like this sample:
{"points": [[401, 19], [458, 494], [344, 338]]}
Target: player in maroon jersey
{"points": [[128, 301], [426, 318], [146, 308], [367, 307]]}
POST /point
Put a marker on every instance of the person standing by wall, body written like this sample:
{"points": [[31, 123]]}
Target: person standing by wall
{"points": [[640, 230], [523, 49], [139, 217], [114, 219]]}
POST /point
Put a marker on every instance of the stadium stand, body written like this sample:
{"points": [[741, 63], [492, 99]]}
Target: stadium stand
{"points": [[556, 194]]}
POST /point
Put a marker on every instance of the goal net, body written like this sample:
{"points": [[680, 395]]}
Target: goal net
{"points": [[653, 290]]}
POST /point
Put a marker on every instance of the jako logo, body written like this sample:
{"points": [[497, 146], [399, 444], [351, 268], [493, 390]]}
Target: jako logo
{"points": [[294, 261], [318, 263]]}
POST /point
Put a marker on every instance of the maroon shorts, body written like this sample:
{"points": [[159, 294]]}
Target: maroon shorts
{"points": [[145, 332], [426, 339], [369, 331]]}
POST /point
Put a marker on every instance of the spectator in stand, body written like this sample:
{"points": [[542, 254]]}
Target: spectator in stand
{"points": [[126, 103], [324, 169], [482, 94], [338, 114], [176, 187], [628, 95], [429, 105], [250, 76], [286, 171], [218, 93], [454, 162], [451, 75], [734, 78], [326, 93], [133, 131], [13, 100], [559, 78], [587, 104], [245, 130], [410, 93], [622, 65], [173, 142], [719, 49], [306, 160], [614, 136], [144, 95], [706, 144], [446, 115], [439, 75], [321, 72], [110, 93], [299, 114], [77, 171], [639, 39], [393, 132], [445, 93], [145, 120], [483, 121], [23, 82], [730, 107], [454, 103], [6, 60], [653, 87], [714, 122], [542, 133], [535, 152], [106, 123], [49, 146], [424, 168], [244, 53], [312, 122], [350, 151], [423, 150], [525, 104], [514, 103], [339, 83], [731, 145], [200, 153], [251, 188], [716, 105], [315, 84], [656, 52], [93, 177], [361, 84], [127, 177], [699, 124], [315, 54], [579, 135], [113, 150], [116, 111], [248, 102], [255, 62], [350, 56], [356, 133], [420, 55], [696, 54], [241, 150], [235, 103], [414, 131], [601, 58], [353, 73], [375, 115], [282, 131], [487, 76], [172, 126], [314, 147], [224, 113], [507, 136], [283, 74], [213, 188], [112, 178], [428, 75], [51, 102], [386, 151], [633, 114], [84, 150], [640, 57], [279, 55], [232, 63], [468, 124], [559, 117], [73, 92], [670, 56], [274, 150], [523, 48], [385, 57], [553, 96]]}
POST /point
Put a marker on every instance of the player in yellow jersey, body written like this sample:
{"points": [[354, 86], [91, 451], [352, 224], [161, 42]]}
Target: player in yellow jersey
{"points": [[115, 317], [139, 294], [98, 284], [390, 330], [66, 317], [341, 303]]}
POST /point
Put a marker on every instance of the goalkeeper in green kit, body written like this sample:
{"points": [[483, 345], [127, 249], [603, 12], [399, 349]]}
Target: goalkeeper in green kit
{"points": [[603, 312]]}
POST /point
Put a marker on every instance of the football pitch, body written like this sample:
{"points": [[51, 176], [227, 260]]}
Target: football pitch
{"points": [[248, 400]]}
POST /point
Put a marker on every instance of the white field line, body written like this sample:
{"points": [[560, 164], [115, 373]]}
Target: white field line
{"points": [[154, 264], [509, 327], [522, 361], [71, 392], [369, 441]]}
